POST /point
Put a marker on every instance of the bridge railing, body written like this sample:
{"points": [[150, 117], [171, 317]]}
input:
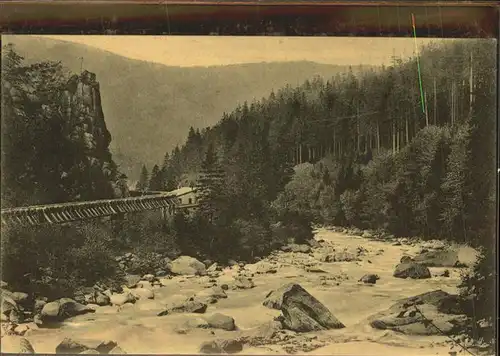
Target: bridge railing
{"points": [[75, 211]]}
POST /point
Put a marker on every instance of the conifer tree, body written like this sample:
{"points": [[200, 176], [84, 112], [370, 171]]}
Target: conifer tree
{"points": [[210, 186], [143, 182], [156, 179]]}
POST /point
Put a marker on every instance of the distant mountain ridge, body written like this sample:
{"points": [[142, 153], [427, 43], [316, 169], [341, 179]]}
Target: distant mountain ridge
{"points": [[149, 107]]}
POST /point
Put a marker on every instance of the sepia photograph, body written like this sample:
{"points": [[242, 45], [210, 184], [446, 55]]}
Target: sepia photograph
{"points": [[264, 195]]}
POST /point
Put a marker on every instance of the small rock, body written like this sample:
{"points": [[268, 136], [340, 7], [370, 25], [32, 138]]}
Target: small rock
{"points": [[224, 286], [213, 267], [149, 277], [445, 273], [21, 329], [243, 283], [221, 321], [369, 278], [4, 285], [161, 273], [131, 280]]}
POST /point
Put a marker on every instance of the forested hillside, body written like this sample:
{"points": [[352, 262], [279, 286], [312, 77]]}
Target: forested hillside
{"points": [[149, 107], [372, 151], [371, 129]]}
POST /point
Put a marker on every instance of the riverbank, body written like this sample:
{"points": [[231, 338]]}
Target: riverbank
{"points": [[137, 328]]}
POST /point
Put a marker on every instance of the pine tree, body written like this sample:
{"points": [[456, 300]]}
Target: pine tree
{"points": [[156, 179], [143, 182], [210, 186]]}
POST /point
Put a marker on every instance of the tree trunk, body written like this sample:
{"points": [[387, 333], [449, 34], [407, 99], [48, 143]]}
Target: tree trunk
{"points": [[393, 138], [435, 103], [407, 133], [426, 110], [357, 131], [454, 103], [378, 136], [471, 87]]}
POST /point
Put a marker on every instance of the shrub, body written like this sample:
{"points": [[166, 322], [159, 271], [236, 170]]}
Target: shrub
{"points": [[54, 261], [478, 289]]}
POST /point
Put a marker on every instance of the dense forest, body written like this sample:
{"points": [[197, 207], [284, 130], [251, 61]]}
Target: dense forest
{"points": [[407, 149]]}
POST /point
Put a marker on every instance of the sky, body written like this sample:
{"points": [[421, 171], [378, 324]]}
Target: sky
{"points": [[189, 51]]}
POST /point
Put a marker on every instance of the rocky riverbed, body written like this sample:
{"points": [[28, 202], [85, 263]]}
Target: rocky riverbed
{"points": [[344, 293]]}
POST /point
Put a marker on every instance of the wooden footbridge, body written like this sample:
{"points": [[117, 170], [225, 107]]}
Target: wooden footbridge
{"points": [[62, 213]]}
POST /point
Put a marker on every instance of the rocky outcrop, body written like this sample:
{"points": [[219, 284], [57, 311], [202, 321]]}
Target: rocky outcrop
{"points": [[438, 258], [431, 313], [301, 311]]}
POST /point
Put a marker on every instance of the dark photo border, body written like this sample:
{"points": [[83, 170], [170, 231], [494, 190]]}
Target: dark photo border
{"points": [[250, 18], [439, 19]]}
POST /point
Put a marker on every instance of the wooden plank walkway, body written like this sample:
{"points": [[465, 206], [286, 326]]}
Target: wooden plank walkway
{"points": [[76, 211]]}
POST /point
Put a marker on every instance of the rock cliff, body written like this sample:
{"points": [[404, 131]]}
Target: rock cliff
{"points": [[55, 143]]}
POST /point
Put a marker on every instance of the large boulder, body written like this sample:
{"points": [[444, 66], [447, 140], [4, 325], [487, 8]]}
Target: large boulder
{"points": [[221, 321], [411, 269], [188, 306], [185, 265], [431, 313], [301, 311], [62, 309]]}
